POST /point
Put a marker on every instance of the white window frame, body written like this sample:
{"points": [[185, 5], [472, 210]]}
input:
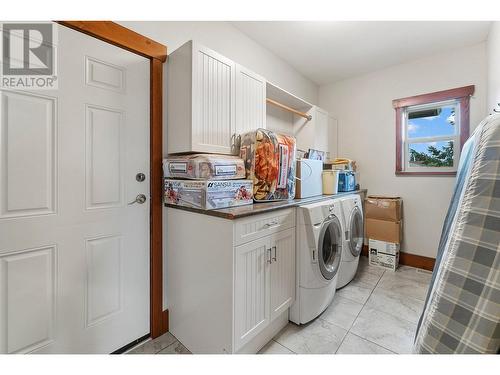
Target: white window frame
{"points": [[406, 140]]}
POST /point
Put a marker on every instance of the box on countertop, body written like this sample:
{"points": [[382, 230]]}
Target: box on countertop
{"points": [[383, 208], [204, 167], [384, 230], [309, 181], [208, 194], [383, 254]]}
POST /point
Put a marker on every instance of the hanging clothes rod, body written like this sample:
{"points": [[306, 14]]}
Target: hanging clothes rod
{"points": [[287, 108]]}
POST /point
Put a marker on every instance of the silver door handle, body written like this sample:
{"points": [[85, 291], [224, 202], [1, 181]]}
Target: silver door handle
{"points": [[141, 198], [275, 255], [270, 259], [271, 224]]}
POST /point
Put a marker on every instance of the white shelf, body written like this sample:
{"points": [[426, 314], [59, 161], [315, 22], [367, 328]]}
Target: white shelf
{"points": [[284, 97]]}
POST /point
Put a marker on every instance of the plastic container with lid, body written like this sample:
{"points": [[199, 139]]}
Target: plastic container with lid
{"points": [[330, 181], [204, 167]]}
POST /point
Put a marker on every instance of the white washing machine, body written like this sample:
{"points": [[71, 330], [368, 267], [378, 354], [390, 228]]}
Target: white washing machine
{"points": [[353, 238], [319, 251]]}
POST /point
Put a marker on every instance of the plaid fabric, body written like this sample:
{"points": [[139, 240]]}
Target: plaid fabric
{"points": [[462, 311]]}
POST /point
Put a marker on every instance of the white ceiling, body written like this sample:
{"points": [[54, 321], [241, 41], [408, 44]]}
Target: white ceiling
{"points": [[326, 52]]}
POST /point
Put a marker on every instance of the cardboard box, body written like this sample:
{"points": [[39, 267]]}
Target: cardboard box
{"points": [[383, 254], [309, 182], [383, 208], [384, 230], [208, 194]]}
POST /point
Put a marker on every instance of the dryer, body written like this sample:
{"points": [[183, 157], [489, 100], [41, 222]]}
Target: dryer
{"points": [[319, 251], [352, 210]]}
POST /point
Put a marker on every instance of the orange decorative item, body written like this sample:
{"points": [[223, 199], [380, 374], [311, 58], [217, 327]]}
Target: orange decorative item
{"points": [[270, 162]]}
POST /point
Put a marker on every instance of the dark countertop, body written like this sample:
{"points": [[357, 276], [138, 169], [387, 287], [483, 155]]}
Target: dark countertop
{"points": [[259, 208]]}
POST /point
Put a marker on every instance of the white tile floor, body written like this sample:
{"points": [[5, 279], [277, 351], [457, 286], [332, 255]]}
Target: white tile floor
{"points": [[377, 313]]}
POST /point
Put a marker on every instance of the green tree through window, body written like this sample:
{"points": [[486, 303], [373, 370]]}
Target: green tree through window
{"points": [[434, 157]]}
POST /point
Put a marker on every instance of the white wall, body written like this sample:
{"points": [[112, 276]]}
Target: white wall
{"points": [[493, 51], [232, 43], [366, 131]]}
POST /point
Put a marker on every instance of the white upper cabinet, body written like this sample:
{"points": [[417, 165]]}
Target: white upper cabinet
{"points": [[333, 136], [200, 100], [313, 133], [321, 130], [250, 102]]}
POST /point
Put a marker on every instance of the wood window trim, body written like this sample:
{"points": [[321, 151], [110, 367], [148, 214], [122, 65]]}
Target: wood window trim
{"points": [[129, 40], [462, 94]]}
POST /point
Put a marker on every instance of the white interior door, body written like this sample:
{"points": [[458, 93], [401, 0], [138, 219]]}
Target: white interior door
{"points": [[74, 256]]}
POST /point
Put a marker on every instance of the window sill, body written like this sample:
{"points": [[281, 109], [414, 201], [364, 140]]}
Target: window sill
{"points": [[437, 174]]}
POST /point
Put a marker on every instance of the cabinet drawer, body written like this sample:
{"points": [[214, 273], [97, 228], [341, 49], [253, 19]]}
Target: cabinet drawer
{"points": [[254, 227]]}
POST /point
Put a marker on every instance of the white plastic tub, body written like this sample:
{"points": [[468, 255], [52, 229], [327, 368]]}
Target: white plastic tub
{"points": [[330, 182]]}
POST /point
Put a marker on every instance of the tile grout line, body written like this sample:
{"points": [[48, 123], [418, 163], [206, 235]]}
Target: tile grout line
{"points": [[168, 346], [286, 347], [398, 294], [374, 343], [354, 320], [364, 304], [175, 340], [350, 299], [281, 330], [342, 341]]}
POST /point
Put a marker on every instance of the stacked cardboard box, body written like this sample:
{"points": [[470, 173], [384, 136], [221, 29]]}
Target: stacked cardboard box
{"points": [[384, 229], [206, 181]]}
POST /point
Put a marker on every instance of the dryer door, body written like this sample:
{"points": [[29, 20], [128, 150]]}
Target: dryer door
{"points": [[356, 232], [330, 247]]}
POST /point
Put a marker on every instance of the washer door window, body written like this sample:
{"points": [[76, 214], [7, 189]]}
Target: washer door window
{"points": [[356, 232], [330, 248]]}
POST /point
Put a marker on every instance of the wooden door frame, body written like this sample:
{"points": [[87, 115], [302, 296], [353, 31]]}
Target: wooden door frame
{"points": [[122, 37]]}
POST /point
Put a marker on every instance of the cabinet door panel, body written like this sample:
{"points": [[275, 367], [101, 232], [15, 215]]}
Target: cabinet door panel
{"points": [[333, 136], [321, 130], [250, 103], [213, 101], [282, 271], [314, 133], [251, 290]]}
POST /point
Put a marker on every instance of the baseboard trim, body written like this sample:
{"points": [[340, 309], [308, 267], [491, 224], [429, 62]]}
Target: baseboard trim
{"points": [[164, 325], [412, 260]]}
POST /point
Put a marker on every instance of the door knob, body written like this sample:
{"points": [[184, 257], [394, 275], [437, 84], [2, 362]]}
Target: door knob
{"points": [[141, 198]]}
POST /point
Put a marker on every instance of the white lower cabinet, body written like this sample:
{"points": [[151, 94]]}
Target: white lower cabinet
{"points": [[229, 287], [282, 271], [264, 283], [252, 294]]}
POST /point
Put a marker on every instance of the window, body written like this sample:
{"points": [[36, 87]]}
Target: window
{"points": [[431, 130]]}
